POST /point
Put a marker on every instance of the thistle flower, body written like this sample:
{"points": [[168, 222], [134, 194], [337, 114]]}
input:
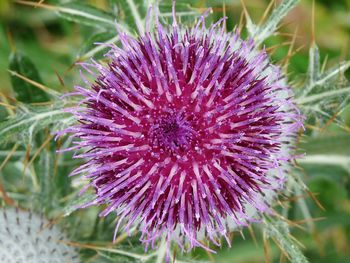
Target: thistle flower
{"points": [[26, 237], [186, 133]]}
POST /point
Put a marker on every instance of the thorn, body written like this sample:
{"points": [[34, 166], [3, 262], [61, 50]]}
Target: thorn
{"points": [[266, 248], [9, 106], [7, 199], [5, 100], [8, 157], [310, 220], [35, 4], [293, 198], [267, 10], [275, 47], [245, 11], [329, 122], [38, 152], [294, 224], [313, 196], [27, 157], [290, 51], [323, 68], [344, 51], [51, 223], [10, 40], [284, 24], [296, 241], [283, 258], [252, 234], [34, 83], [39, 3], [312, 127], [71, 67], [320, 246], [280, 248], [287, 34], [60, 79], [241, 22], [210, 256], [174, 255], [224, 13], [313, 23], [242, 234]]}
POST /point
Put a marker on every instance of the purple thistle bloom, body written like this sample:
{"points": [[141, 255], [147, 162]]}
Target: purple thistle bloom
{"points": [[187, 132]]}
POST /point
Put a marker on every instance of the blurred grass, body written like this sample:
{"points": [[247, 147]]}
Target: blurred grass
{"points": [[53, 43]]}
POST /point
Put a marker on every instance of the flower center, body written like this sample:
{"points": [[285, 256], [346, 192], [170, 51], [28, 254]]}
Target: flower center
{"points": [[172, 133]]}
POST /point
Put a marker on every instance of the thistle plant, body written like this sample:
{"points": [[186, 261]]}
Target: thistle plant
{"points": [[186, 132], [175, 134]]}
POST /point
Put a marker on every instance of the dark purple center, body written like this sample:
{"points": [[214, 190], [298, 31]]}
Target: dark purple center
{"points": [[172, 133]]}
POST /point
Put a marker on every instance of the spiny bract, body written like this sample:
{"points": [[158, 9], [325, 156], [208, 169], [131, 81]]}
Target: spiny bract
{"points": [[187, 132], [26, 237]]}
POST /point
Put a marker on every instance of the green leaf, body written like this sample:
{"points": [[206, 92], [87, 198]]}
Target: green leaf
{"points": [[29, 121], [260, 33], [24, 91]]}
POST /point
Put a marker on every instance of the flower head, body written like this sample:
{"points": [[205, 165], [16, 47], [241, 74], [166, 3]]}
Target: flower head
{"points": [[26, 237], [186, 132]]}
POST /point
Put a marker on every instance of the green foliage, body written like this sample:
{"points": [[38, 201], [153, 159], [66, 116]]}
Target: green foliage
{"points": [[262, 32]]}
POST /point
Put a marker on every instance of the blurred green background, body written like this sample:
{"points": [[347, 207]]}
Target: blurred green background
{"points": [[54, 45]]}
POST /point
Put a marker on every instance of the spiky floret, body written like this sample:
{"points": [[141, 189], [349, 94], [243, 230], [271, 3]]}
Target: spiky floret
{"points": [[26, 237], [186, 132]]}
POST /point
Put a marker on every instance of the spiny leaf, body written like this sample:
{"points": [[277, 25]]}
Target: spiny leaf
{"points": [[280, 232], [31, 120], [24, 91], [315, 76], [332, 73], [260, 33], [325, 94]]}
